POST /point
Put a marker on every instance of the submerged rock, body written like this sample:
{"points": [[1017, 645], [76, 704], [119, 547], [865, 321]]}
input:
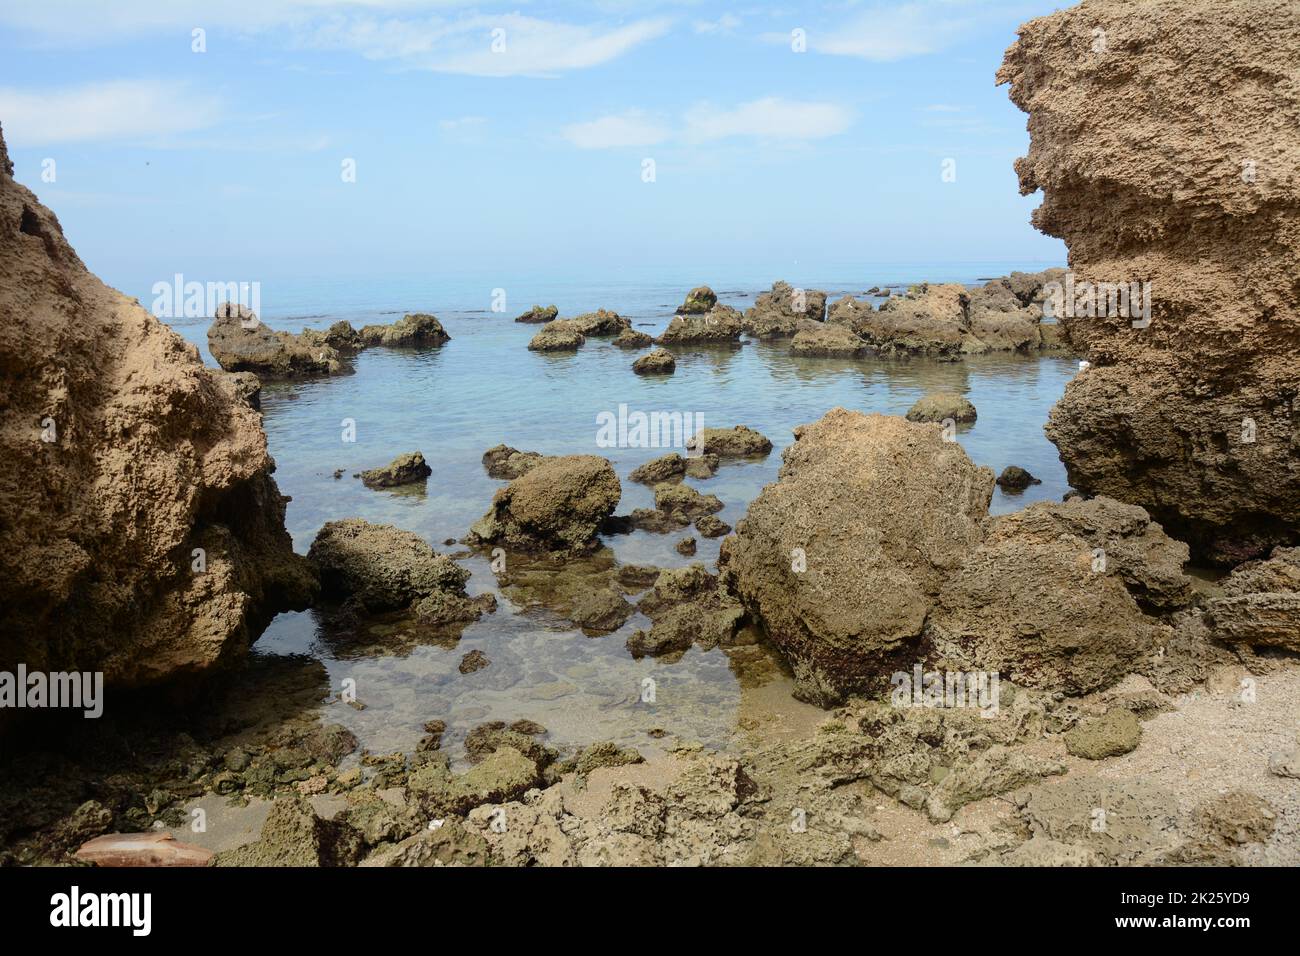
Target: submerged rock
{"points": [[940, 407], [1188, 408], [539, 315], [414, 330], [656, 362], [687, 607], [407, 469], [475, 660], [559, 335], [141, 532], [557, 505], [840, 560]]}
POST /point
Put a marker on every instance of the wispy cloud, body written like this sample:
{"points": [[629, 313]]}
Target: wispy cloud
{"points": [[509, 45], [769, 119], [633, 128], [885, 32], [97, 112]]}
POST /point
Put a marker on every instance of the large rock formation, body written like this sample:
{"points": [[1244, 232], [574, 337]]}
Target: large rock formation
{"points": [[842, 558], [874, 551], [1163, 136], [141, 533]]}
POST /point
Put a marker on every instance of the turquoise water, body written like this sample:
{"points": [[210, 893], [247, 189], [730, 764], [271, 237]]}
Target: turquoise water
{"points": [[484, 387]]}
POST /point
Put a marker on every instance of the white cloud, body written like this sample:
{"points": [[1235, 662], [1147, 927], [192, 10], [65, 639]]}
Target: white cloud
{"points": [[633, 128], [419, 34], [509, 45], [887, 32], [772, 118], [768, 118], [115, 110]]}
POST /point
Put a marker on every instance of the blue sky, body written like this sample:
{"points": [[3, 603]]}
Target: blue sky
{"points": [[516, 137]]}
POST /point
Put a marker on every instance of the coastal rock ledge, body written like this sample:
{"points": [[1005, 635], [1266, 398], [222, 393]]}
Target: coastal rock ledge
{"points": [[1192, 416], [141, 533]]}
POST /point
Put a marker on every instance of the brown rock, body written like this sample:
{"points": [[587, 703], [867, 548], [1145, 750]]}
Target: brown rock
{"points": [[408, 469], [120, 455], [560, 335], [719, 325], [414, 330], [656, 362], [558, 505], [840, 559], [1192, 416]]}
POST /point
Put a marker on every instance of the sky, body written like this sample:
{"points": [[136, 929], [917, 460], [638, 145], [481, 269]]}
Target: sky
{"points": [[374, 138]]}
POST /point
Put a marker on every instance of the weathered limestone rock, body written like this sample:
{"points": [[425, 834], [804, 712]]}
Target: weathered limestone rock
{"points": [[141, 533], [1191, 415]]}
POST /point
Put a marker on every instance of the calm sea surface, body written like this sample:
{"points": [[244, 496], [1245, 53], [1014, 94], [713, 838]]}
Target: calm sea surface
{"points": [[484, 387]]}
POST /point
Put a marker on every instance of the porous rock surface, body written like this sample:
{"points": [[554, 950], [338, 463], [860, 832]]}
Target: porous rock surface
{"points": [[125, 466], [1192, 417]]}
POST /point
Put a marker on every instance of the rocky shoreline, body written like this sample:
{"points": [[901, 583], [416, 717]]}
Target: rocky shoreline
{"points": [[985, 686]]}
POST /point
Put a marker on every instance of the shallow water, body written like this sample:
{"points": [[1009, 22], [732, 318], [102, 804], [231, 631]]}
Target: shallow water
{"points": [[485, 387]]}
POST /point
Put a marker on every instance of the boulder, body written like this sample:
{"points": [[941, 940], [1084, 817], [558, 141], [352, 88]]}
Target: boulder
{"points": [[784, 310], [711, 526], [739, 441], [928, 320], [408, 469], [655, 362], [602, 322], [841, 559], [414, 330], [1116, 732], [384, 568], [560, 335], [1015, 478], [699, 300], [687, 607], [828, 341], [1261, 603], [685, 502], [241, 342], [720, 325], [558, 505], [675, 467], [1190, 413], [632, 339], [340, 336], [295, 835], [941, 407], [141, 532], [502, 461], [1063, 597], [539, 315]]}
